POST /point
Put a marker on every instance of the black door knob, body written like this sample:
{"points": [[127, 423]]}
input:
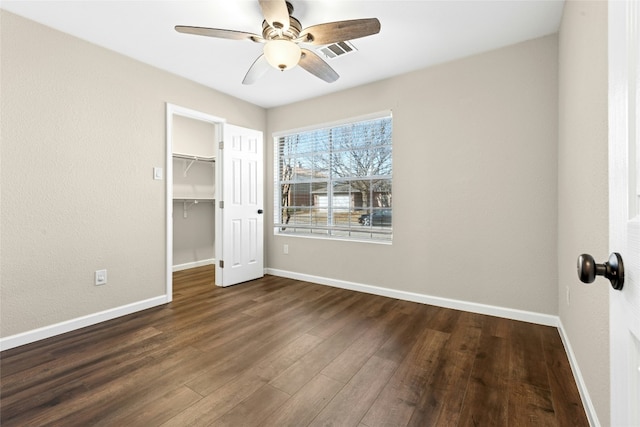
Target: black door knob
{"points": [[260, 211], [612, 270]]}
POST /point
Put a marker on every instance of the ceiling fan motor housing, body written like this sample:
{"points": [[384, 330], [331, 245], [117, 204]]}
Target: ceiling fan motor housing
{"points": [[271, 33]]}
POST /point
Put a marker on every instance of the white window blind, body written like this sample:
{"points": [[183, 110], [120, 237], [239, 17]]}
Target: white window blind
{"points": [[335, 181]]}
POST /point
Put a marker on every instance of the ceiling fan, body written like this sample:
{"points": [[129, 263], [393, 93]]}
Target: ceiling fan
{"points": [[282, 35]]}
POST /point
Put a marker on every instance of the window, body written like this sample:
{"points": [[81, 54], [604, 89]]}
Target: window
{"points": [[335, 181]]}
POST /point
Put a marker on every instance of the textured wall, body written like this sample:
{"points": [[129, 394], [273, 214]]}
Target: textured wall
{"points": [[583, 203], [193, 236], [194, 137], [474, 181], [82, 129]]}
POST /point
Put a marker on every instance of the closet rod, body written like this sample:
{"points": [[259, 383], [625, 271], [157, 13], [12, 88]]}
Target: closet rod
{"points": [[211, 159], [192, 159]]}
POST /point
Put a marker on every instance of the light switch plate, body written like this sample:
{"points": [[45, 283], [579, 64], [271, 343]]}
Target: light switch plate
{"points": [[101, 277], [157, 173]]}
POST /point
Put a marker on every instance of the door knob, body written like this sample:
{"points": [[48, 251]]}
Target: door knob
{"points": [[612, 270], [260, 211]]}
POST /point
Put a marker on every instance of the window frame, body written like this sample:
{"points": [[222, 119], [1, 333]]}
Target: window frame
{"points": [[368, 235]]}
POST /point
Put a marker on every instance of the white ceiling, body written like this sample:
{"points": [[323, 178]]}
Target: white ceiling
{"points": [[415, 34]]}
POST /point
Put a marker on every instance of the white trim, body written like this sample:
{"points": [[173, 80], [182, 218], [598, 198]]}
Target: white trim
{"points": [[79, 322], [193, 114], [491, 310], [363, 118], [188, 265], [577, 374], [176, 110], [168, 185], [318, 236]]}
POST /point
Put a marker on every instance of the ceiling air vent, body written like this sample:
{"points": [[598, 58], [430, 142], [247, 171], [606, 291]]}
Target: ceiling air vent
{"points": [[338, 49]]}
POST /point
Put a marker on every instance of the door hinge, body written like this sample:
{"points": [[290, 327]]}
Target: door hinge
{"points": [[221, 204], [221, 145], [221, 263]]}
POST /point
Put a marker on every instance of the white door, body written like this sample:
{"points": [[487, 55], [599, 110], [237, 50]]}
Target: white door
{"points": [[624, 196], [239, 250]]}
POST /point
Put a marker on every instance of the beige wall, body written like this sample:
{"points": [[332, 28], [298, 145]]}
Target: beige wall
{"points": [[82, 129], [583, 191], [194, 137], [474, 181]]}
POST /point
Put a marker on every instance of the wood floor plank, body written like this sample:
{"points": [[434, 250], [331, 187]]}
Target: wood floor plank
{"points": [[567, 403], [253, 410], [265, 364], [159, 384], [343, 313], [102, 392], [487, 395], [441, 402], [403, 339], [59, 371], [217, 404], [301, 372], [530, 406], [397, 401], [346, 364], [352, 402], [278, 352], [525, 362], [306, 404], [280, 360], [157, 411], [64, 388], [267, 358]]}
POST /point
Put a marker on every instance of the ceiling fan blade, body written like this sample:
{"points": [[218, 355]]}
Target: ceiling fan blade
{"points": [[276, 13], [218, 33], [257, 70], [333, 32], [316, 66]]}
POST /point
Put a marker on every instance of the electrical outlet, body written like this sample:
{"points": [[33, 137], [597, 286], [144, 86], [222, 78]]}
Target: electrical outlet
{"points": [[101, 277], [285, 249]]}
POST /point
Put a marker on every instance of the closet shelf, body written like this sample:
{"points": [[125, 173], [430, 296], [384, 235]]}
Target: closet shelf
{"points": [[189, 202], [192, 159], [194, 199], [211, 159]]}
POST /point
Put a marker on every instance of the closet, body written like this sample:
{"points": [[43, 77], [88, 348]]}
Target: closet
{"points": [[193, 154]]}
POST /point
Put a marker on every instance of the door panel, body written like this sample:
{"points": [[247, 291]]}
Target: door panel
{"points": [[624, 186], [241, 215]]}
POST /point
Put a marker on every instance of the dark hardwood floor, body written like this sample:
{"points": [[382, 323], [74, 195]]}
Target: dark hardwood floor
{"points": [[279, 352]]}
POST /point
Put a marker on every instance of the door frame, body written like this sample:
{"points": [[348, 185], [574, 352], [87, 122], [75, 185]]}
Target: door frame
{"points": [[171, 111]]}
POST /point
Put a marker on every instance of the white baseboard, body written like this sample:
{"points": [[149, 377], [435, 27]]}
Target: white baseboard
{"points": [[188, 265], [491, 310], [577, 374], [77, 323]]}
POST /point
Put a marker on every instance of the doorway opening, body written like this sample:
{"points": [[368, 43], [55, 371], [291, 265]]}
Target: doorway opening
{"points": [[192, 182]]}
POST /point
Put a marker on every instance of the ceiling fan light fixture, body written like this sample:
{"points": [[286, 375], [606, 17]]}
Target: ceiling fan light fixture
{"points": [[282, 54]]}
